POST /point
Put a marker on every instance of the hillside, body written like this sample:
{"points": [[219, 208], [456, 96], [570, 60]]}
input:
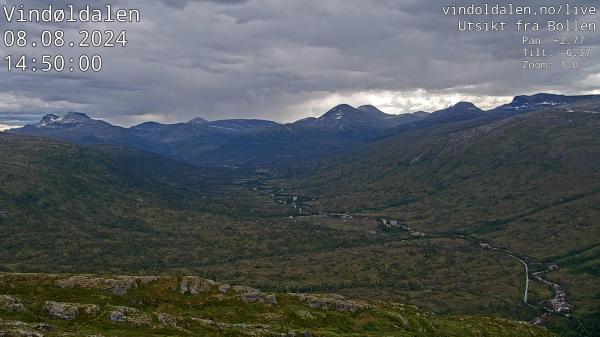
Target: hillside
{"points": [[98, 208], [336, 131], [481, 179], [69, 208], [529, 183], [87, 305]]}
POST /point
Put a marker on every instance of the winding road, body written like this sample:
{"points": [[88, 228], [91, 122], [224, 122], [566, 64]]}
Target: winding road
{"points": [[526, 295], [558, 305]]}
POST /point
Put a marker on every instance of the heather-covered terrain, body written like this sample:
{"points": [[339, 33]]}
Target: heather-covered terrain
{"points": [[88, 305]]}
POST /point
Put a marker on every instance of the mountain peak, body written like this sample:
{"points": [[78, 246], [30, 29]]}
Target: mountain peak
{"points": [[72, 115], [548, 99], [339, 112], [537, 99], [373, 110], [198, 120], [465, 106], [148, 126], [52, 120], [459, 108], [457, 112], [525, 103], [49, 118], [368, 107], [342, 108]]}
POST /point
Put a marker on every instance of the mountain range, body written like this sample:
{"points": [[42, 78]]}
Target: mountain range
{"points": [[252, 142]]}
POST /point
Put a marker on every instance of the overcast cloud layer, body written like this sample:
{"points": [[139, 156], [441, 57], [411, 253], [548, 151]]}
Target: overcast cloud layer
{"points": [[284, 60]]}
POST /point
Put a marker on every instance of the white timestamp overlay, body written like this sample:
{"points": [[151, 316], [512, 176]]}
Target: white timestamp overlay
{"points": [[548, 36], [63, 49]]}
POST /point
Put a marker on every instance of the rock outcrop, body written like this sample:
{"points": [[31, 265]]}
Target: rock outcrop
{"points": [[252, 295], [196, 285], [119, 285], [69, 311], [11, 304], [242, 326], [129, 315], [166, 320], [332, 302], [193, 306], [10, 328], [224, 288]]}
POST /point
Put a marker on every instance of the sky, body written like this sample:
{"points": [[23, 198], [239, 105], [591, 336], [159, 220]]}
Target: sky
{"points": [[281, 60]]}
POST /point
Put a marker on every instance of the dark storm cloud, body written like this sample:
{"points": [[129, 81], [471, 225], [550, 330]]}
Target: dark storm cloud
{"points": [[283, 60]]}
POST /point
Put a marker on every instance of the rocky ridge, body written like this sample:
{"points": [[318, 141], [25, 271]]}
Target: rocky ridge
{"points": [[47, 305]]}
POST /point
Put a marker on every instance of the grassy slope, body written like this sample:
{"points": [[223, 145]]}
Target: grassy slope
{"points": [[158, 308]]}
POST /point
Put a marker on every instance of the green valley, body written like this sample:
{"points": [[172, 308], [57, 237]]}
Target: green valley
{"points": [[443, 214]]}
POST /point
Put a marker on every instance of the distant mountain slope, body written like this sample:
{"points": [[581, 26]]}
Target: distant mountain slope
{"points": [[81, 129], [339, 129], [184, 141], [529, 103], [190, 141], [362, 120]]}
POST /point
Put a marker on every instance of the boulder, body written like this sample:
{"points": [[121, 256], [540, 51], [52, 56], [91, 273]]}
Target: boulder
{"points": [[11, 304], [305, 314], [243, 289], [60, 310], [252, 295], [332, 302], [129, 315], [9, 328], [224, 288], [69, 311], [166, 320], [195, 285]]}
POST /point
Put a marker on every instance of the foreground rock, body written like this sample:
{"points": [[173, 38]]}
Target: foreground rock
{"points": [[332, 302], [12, 328], [11, 304], [120, 285], [129, 315], [69, 311], [251, 295]]}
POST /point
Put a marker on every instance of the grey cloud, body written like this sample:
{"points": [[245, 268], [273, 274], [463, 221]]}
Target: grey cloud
{"points": [[180, 4]]}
